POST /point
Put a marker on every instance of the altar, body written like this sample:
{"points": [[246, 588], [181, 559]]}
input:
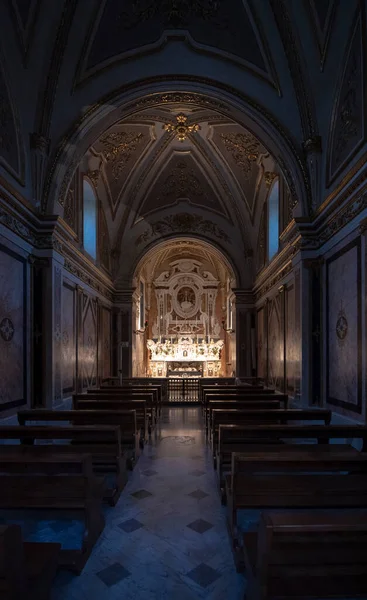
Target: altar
{"points": [[185, 357]]}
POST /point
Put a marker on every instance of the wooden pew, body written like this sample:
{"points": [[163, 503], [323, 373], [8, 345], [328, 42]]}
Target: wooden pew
{"points": [[242, 438], [129, 394], [283, 398], [248, 404], [103, 443], [124, 419], [100, 402], [299, 480], [27, 569], [156, 390], [241, 415], [61, 482], [307, 555]]}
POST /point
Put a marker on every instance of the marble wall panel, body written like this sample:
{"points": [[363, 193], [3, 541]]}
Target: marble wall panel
{"points": [[13, 329], [68, 339], [276, 344], [291, 342], [261, 343], [344, 328], [106, 343], [88, 354]]}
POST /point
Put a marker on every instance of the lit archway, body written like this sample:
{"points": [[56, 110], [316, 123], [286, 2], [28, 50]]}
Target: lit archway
{"points": [[183, 311]]}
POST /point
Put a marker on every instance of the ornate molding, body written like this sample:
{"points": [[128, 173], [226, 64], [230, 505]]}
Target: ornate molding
{"points": [[156, 99], [272, 281], [92, 282], [244, 148], [269, 177], [182, 223]]}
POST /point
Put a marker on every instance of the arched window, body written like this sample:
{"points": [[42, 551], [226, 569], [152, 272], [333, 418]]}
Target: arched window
{"points": [[273, 220], [89, 219]]}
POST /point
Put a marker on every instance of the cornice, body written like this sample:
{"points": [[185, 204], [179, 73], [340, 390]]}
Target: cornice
{"points": [[261, 290]]}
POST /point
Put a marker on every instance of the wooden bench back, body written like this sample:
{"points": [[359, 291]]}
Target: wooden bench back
{"points": [[31, 481], [298, 481], [269, 415], [132, 389], [99, 440], [292, 548], [283, 398], [124, 419], [321, 433]]}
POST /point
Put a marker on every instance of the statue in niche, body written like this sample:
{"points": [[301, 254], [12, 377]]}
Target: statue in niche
{"points": [[216, 329], [186, 299], [155, 329]]}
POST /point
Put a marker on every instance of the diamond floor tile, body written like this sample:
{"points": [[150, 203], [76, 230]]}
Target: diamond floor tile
{"points": [[113, 574], [130, 525], [141, 494], [198, 494], [200, 526], [203, 575]]}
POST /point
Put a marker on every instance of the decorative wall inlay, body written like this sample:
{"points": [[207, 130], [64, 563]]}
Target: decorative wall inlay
{"points": [[344, 328], [7, 329], [244, 148], [87, 357], [220, 28], [261, 343], [292, 342], [182, 223], [276, 342], [348, 129], [13, 329], [341, 327]]}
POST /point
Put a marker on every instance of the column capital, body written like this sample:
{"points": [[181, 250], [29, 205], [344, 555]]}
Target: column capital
{"points": [[244, 296]]}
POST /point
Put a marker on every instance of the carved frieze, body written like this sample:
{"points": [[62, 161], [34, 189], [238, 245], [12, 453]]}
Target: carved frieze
{"points": [[86, 278], [182, 223]]}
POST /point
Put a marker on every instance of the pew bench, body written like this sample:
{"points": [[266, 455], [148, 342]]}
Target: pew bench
{"points": [[124, 419], [62, 483], [155, 390], [307, 555], [96, 402], [295, 480], [230, 405], [242, 416], [103, 443], [26, 569], [129, 394]]}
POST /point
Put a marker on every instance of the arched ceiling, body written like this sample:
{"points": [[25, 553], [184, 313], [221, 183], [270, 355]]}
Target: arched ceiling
{"points": [[163, 254]]}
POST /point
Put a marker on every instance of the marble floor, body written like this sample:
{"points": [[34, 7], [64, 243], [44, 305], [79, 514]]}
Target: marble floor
{"points": [[167, 535]]}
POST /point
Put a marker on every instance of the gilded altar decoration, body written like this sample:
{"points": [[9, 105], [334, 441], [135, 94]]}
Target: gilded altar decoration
{"points": [[181, 129], [185, 349]]}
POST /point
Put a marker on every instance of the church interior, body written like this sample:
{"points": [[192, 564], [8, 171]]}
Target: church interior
{"points": [[183, 324]]}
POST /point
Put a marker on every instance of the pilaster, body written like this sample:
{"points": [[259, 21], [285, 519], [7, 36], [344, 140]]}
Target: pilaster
{"points": [[245, 311]]}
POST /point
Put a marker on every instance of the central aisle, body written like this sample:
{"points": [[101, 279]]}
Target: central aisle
{"points": [[167, 536]]}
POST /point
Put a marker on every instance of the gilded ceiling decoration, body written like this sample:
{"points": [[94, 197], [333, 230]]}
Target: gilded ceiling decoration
{"points": [[269, 177], [182, 223], [244, 148], [348, 123], [117, 149], [181, 128], [221, 27]]}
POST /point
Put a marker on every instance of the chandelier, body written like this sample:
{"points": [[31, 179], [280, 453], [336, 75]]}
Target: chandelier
{"points": [[181, 128]]}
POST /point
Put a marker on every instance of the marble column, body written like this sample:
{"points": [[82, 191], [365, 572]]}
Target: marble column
{"points": [[245, 311]]}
